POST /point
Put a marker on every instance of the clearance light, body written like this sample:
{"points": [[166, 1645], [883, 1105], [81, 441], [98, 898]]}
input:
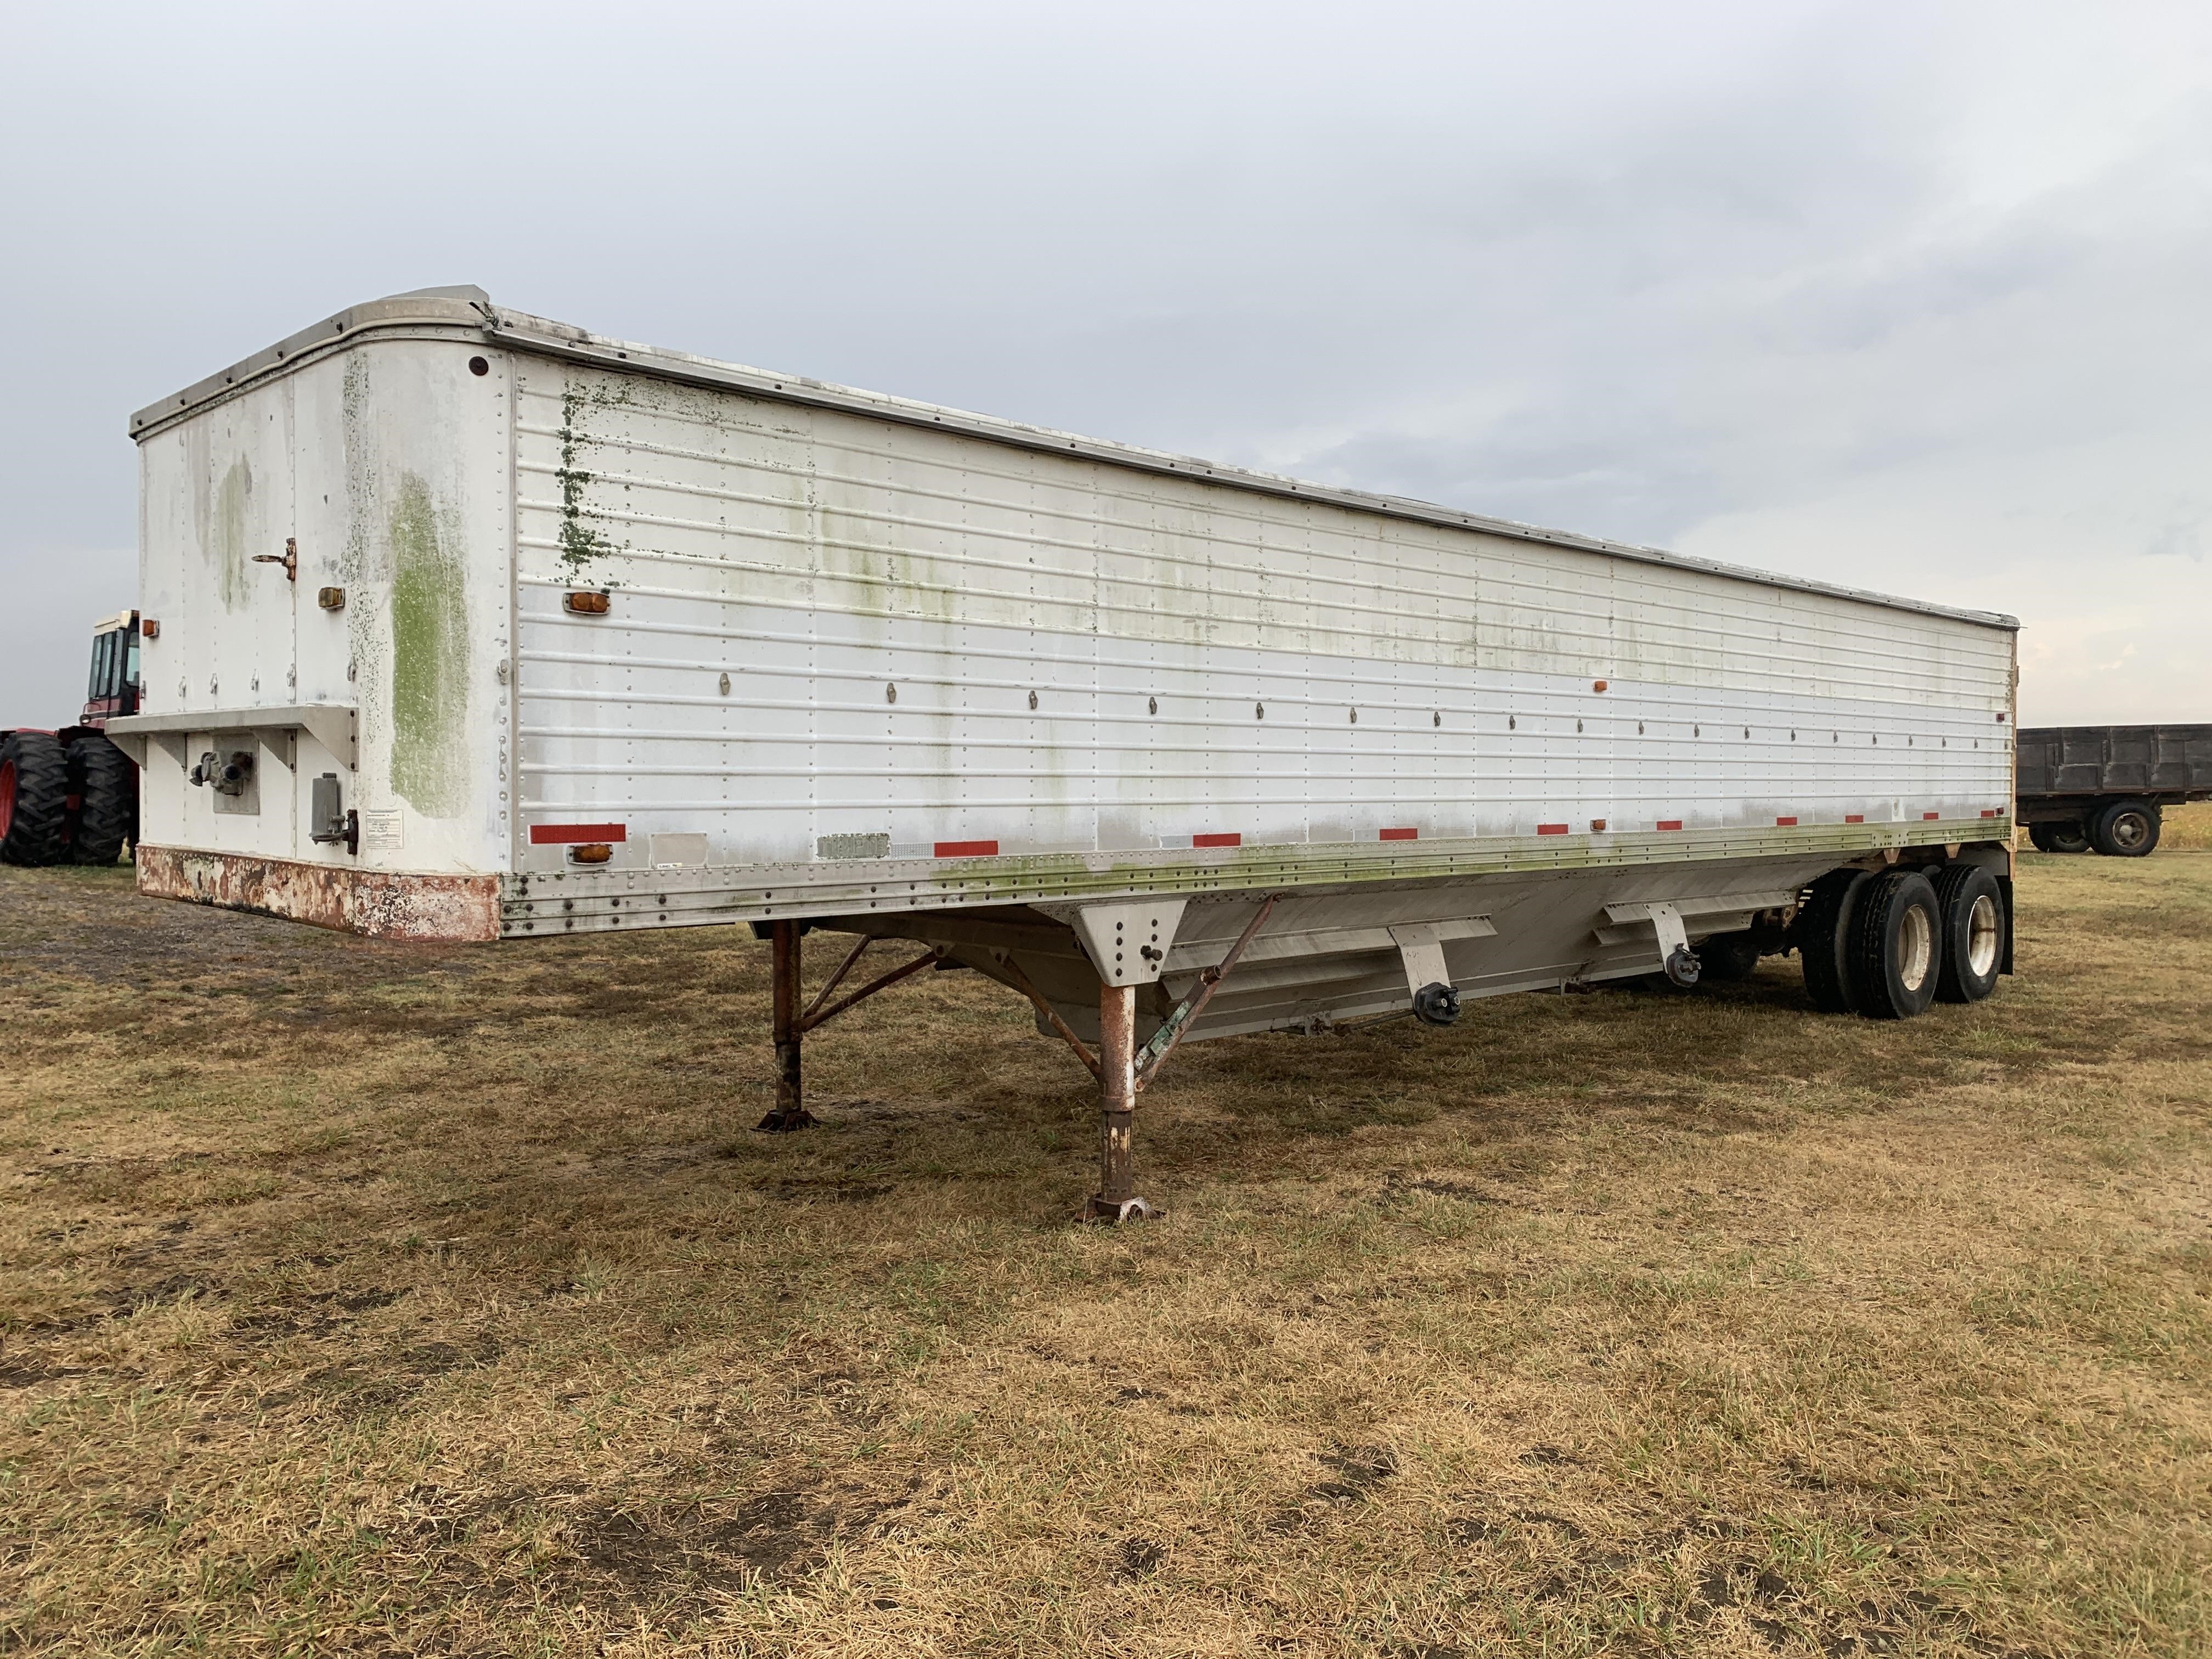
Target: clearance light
{"points": [[583, 604], [148, 628], [592, 851]]}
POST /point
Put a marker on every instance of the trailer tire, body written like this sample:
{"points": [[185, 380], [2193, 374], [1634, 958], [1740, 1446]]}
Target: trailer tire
{"points": [[33, 798], [1973, 908], [105, 784], [1728, 959], [2058, 837], [2126, 830], [1893, 953], [1820, 933]]}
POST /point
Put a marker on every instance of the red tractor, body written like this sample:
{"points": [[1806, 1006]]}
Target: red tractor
{"points": [[71, 797]]}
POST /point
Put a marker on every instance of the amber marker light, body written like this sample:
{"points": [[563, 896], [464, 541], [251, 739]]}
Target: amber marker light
{"points": [[583, 604], [592, 851]]}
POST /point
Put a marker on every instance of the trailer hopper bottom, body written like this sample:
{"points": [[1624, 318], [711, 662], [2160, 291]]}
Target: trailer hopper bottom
{"points": [[1123, 982]]}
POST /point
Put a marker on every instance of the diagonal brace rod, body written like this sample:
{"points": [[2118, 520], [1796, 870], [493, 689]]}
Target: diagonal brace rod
{"points": [[837, 978], [868, 990], [1154, 1053], [1022, 984]]}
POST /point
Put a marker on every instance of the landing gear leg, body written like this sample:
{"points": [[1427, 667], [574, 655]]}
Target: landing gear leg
{"points": [[790, 1111], [1116, 1199]]}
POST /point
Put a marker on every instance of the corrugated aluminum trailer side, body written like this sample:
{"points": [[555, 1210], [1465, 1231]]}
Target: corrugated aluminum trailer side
{"points": [[568, 634]]}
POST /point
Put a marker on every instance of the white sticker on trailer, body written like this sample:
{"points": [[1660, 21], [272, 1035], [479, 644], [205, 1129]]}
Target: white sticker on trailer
{"points": [[379, 831]]}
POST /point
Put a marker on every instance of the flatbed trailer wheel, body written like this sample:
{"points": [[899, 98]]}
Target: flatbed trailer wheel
{"points": [[2125, 829], [1973, 932], [33, 798], [1820, 935], [105, 784], [2058, 837], [1728, 959], [1893, 953]]}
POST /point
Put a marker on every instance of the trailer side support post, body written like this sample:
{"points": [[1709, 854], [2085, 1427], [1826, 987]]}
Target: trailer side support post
{"points": [[1116, 1199], [790, 1111]]}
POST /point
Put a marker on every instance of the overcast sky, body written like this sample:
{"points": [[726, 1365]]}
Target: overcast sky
{"points": [[1911, 296]]}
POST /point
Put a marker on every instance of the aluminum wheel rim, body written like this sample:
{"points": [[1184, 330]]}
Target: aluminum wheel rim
{"points": [[1982, 936], [1915, 948]]}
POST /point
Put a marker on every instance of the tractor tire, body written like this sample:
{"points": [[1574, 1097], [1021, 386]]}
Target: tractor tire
{"points": [[2058, 837], [1819, 934], [105, 784], [33, 798], [1973, 906], [1894, 949], [2126, 830]]}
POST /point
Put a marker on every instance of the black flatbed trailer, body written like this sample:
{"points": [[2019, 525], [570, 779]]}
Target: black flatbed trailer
{"points": [[2104, 788]]}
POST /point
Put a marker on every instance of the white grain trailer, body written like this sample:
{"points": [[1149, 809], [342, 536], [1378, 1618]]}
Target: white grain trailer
{"points": [[465, 624]]}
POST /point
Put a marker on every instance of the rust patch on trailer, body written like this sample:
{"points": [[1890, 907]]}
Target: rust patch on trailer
{"points": [[383, 904]]}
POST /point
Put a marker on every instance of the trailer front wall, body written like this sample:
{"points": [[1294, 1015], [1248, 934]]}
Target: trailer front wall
{"points": [[386, 470], [833, 636]]}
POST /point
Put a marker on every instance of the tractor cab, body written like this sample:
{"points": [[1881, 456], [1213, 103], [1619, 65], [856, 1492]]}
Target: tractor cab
{"points": [[114, 688]]}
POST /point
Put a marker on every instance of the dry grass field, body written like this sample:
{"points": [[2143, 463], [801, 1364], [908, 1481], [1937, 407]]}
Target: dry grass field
{"points": [[2189, 828], [373, 1300]]}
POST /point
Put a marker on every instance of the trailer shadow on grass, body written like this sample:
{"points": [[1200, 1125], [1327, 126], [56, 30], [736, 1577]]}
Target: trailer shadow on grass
{"points": [[358, 1297]]}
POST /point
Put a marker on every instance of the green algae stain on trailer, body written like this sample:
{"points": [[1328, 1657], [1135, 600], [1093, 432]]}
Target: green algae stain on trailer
{"points": [[581, 541], [226, 534], [429, 652]]}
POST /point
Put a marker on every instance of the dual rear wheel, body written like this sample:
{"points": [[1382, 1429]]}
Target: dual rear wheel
{"points": [[1888, 943], [74, 802], [2118, 829]]}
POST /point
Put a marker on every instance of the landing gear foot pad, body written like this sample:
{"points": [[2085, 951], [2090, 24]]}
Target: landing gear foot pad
{"points": [[1106, 1210]]}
